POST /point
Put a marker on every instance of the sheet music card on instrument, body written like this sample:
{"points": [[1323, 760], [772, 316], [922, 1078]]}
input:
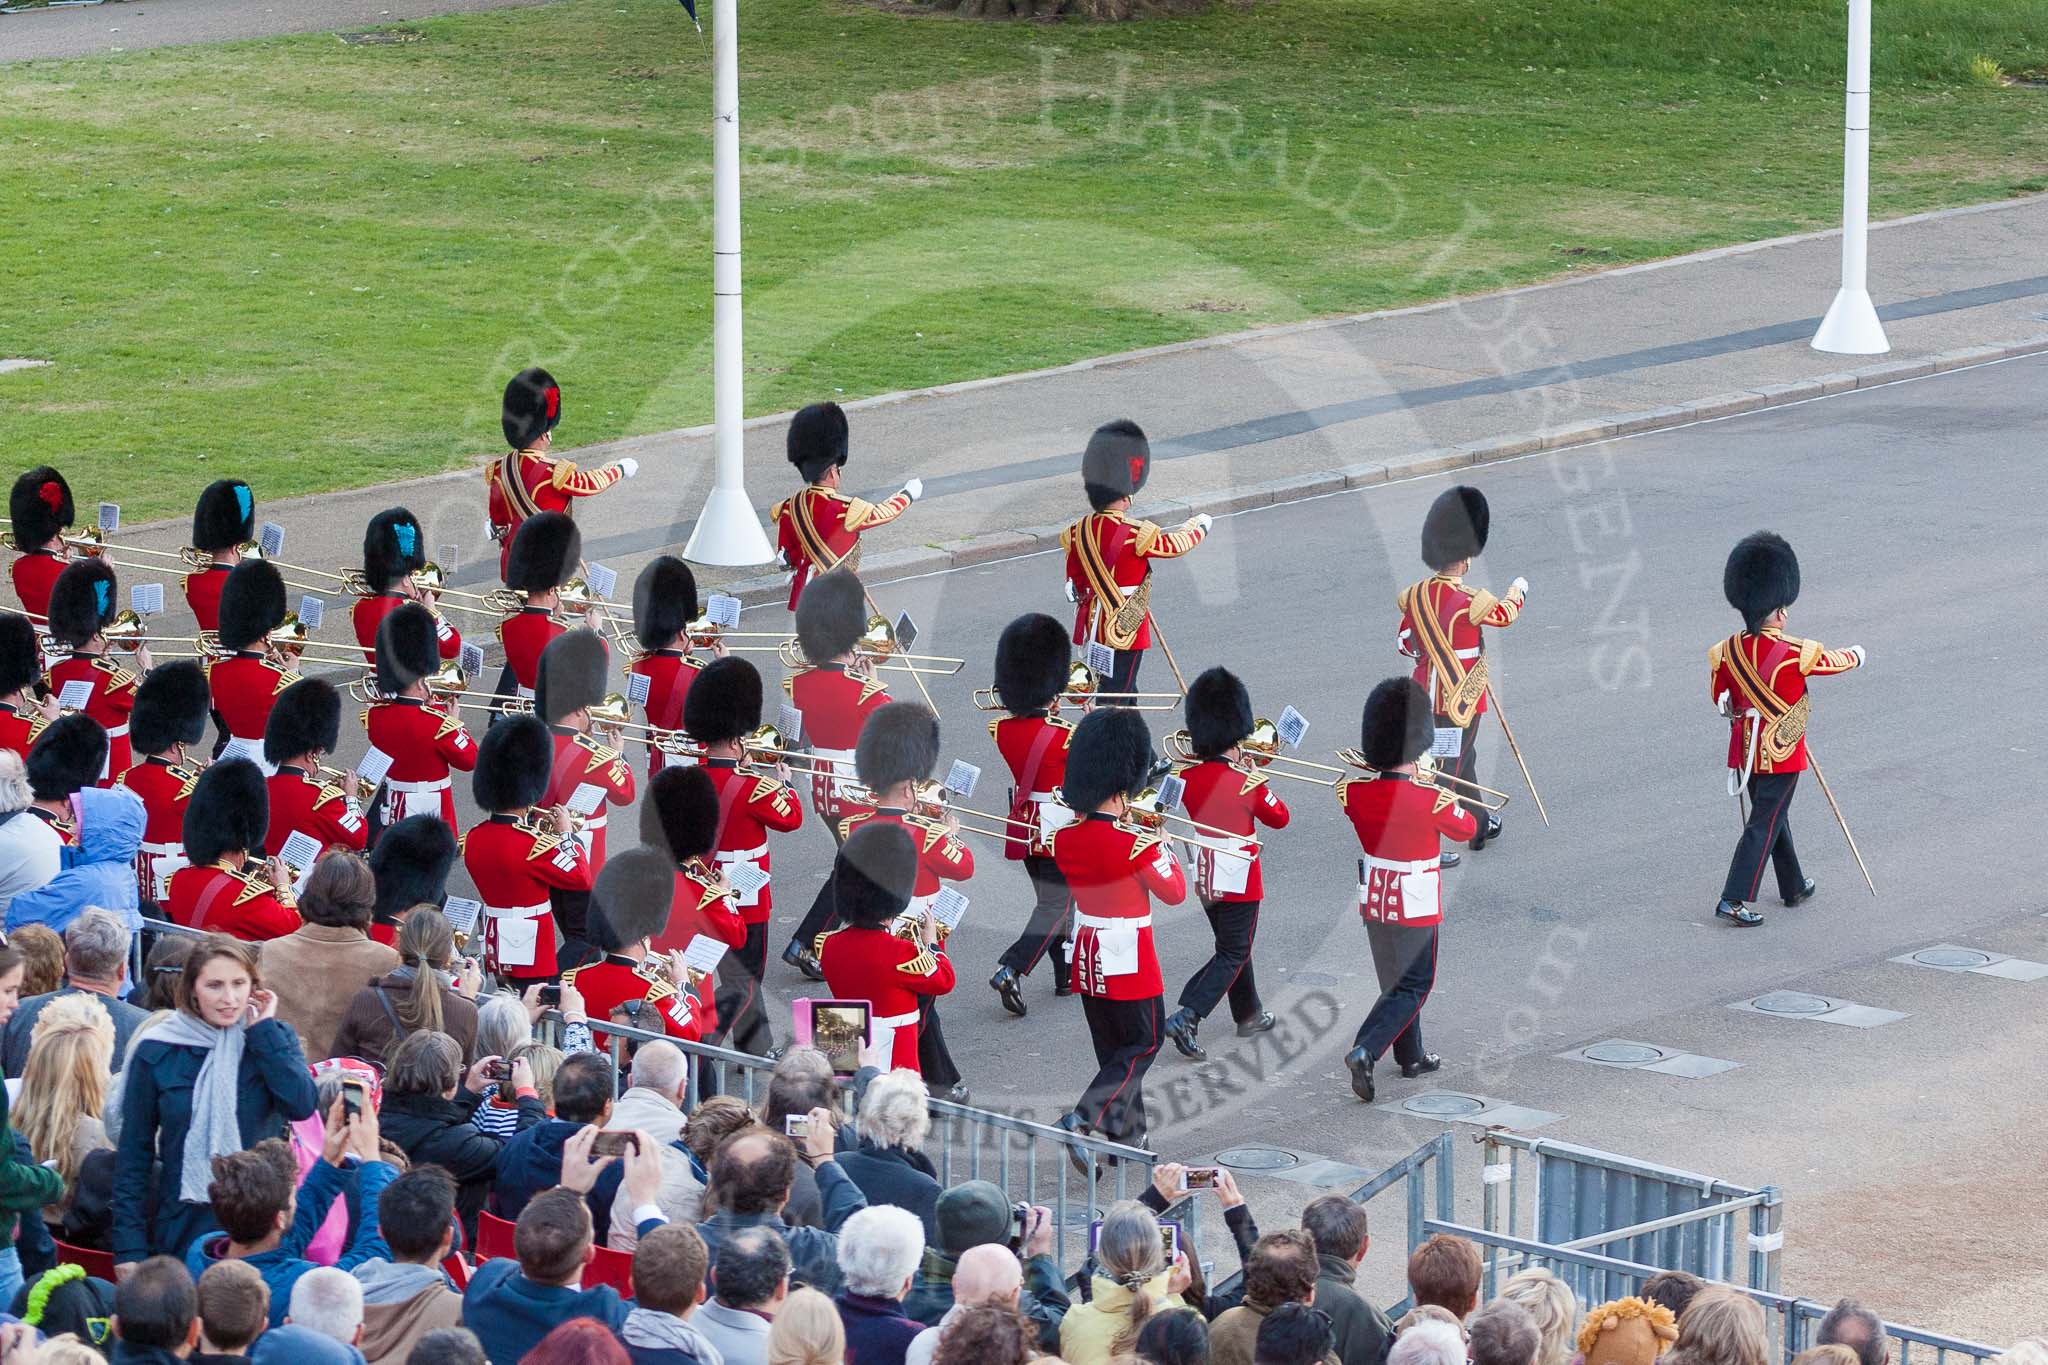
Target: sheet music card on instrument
{"points": [[110, 517], [906, 631], [746, 880], [1450, 742], [704, 953], [1171, 789], [376, 763], [1100, 658], [948, 907], [586, 799], [601, 580], [462, 914], [251, 749], [312, 611], [792, 724], [1292, 725], [271, 540], [76, 695], [961, 778], [146, 598], [637, 687], [299, 853], [472, 659], [723, 611]]}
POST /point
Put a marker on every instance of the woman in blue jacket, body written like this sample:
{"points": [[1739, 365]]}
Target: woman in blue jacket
{"points": [[220, 1074]]}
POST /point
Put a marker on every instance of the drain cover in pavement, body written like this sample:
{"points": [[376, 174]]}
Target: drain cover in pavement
{"points": [[1952, 957], [1444, 1104], [1623, 1054], [1792, 1002], [1257, 1159]]}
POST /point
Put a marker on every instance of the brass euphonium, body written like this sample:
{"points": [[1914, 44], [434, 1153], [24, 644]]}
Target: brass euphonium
{"points": [[202, 560]]}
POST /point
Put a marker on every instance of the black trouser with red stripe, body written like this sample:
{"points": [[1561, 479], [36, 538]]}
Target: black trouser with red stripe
{"points": [[823, 913], [1122, 679], [1404, 957], [1466, 765], [742, 1023], [1767, 836], [934, 1060], [1048, 926], [1229, 968], [1126, 1034]]}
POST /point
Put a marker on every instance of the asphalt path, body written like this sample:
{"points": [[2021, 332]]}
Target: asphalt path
{"points": [[91, 29]]}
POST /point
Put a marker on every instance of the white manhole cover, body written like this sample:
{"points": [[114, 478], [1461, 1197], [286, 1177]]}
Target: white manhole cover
{"points": [[1952, 957], [1792, 1002], [1443, 1106], [1257, 1159], [1623, 1054]]}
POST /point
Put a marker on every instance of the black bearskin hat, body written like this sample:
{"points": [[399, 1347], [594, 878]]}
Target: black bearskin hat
{"points": [[84, 598], [393, 546], [830, 615], [546, 549], [21, 660], [408, 648], [306, 716], [39, 506], [817, 440], [899, 743], [170, 708], [1762, 575], [1032, 655], [1398, 726], [69, 754], [230, 809], [1109, 755], [251, 603], [411, 861], [1455, 527], [1116, 463], [680, 815], [573, 671], [664, 601], [1219, 712], [874, 874], [513, 764], [724, 702], [533, 404], [631, 899], [224, 517]]}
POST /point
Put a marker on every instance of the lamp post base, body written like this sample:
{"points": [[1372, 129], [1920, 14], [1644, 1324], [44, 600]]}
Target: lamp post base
{"points": [[728, 533], [1851, 326]]}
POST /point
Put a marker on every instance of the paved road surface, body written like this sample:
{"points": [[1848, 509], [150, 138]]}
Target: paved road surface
{"points": [[86, 30]]}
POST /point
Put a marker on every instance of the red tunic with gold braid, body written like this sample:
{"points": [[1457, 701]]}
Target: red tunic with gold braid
{"points": [[202, 593], [1459, 611], [1114, 874], [245, 686], [1035, 747], [834, 704], [669, 673], [1230, 798], [940, 857], [525, 633], [301, 803], [424, 742], [369, 613], [749, 807], [19, 728], [165, 789], [581, 760], [1401, 825], [34, 574], [66, 830], [528, 481], [702, 905], [241, 905], [1109, 559], [617, 981], [819, 529], [892, 974], [1782, 665], [515, 867], [112, 698]]}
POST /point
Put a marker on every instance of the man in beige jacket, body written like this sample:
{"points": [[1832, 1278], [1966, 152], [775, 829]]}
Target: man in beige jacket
{"points": [[407, 1296], [319, 967]]}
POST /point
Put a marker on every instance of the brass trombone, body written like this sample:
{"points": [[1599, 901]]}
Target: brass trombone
{"points": [[351, 784], [1261, 749], [935, 802], [1430, 775], [1143, 814], [429, 578], [1084, 685], [704, 632], [878, 642]]}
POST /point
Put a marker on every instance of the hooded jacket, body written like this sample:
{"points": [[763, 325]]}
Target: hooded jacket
{"points": [[402, 1302], [510, 1313], [283, 1264], [656, 1338], [682, 1193], [532, 1162], [1360, 1332], [292, 1345], [431, 1130], [99, 872]]}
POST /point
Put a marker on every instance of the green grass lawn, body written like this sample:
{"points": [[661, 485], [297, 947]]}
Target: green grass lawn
{"points": [[314, 264]]}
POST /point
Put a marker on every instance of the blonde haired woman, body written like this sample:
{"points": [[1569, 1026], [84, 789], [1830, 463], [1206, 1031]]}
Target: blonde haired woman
{"points": [[806, 1331], [1132, 1280], [1552, 1306], [1720, 1327], [64, 1090]]}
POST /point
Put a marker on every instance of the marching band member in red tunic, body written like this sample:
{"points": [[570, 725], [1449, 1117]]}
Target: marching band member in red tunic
{"points": [[1226, 794], [1401, 825], [516, 855], [1114, 871], [21, 667], [223, 521], [664, 602], [225, 890], [544, 556], [819, 529], [679, 817], [571, 681], [40, 511], [1441, 620], [248, 682], [424, 737], [168, 722], [64, 760], [834, 695], [1758, 680], [865, 958], [632, 984], [411, 861], [81, 604], [529, 480], [1031, 668], [1109, 555], [304, 727], [394, 549]]}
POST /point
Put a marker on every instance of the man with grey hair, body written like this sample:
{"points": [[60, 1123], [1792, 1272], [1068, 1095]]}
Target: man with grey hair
{"points": [[879, 1251], [1429, 1341], [328, 1301], [1502, 1333], [1852, 1325], [653, 1105], [888, 1164], [95, 964]]}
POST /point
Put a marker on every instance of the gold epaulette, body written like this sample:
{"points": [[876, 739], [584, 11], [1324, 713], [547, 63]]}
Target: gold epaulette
{"points": [[543, 843], [189, 780], [363, 719], [659, 987], [461, 843], [924, 964], [789, 686], [569, 977], [818, 943], [994, 723], [1482, 602], [847, 822], [1144, 534], [1143, 843], [870, 688], [449, 725], [121, 676], [1253, 780], [600, 754], [765, 787], [1809, 653], [1443, 799], [1716, 652], [692, 661], [328, 793]]}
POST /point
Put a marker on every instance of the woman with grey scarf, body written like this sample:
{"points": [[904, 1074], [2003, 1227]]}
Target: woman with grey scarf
{"points": [[217, 1076]]}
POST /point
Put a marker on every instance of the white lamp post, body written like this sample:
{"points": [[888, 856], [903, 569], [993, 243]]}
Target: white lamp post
{"points": [[1851, 326]]}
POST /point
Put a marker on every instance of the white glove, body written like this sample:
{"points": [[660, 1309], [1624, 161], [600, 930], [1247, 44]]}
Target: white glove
{"points": [[1520, 587], [629, 466], [1202, 522], [1072, 596], [914, 487], [781, 557], [1722, 705], [1861, 656]]}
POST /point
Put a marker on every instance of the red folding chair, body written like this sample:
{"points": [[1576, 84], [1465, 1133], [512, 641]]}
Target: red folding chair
{"points": [[457, 1271], [99, 1264], [614, 1268], [493, 1237]]}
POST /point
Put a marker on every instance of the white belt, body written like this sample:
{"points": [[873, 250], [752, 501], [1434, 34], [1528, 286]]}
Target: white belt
{"points": [[742, 855], [1082, 921], [171, 846], [1128, 592], [593, 822], [894, 1021], [1420, 865], [836, 764], [116, 731], [518, 911], [525, 692], [1042, 797], [439, 784], [1466, 653]]}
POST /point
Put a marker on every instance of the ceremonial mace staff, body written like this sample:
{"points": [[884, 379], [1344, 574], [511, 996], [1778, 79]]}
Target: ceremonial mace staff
{"points": [[1508, 730], [1857, 853]]}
